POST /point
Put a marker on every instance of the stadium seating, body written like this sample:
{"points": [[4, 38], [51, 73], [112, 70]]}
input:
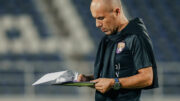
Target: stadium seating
{"points": [[19, 8], [13, 75], [83, 9], [8, 85]]}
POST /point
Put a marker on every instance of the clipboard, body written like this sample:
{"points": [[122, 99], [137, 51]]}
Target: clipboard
{"points": [[62, 78], [78, 84]]}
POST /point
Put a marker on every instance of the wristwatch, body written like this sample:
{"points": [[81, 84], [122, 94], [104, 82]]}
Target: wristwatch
{"points": [[117, 84]]}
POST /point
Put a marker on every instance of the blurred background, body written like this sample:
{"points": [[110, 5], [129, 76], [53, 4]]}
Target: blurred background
{"points": [[43, 36]]}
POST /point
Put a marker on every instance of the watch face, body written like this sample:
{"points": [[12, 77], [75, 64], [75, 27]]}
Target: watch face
{"points": [[117, 86]]}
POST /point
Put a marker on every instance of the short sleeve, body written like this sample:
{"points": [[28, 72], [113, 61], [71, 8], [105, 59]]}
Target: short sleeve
{"points": [[141, 52], [143, 56]]}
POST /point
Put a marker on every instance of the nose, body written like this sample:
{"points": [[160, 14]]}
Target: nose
{"points": [[98, 24]]}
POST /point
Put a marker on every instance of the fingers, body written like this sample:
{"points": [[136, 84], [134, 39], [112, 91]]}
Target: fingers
{"points": [[98, 85], [81, 77], [100, 89], [96, 81], [102, 84]]}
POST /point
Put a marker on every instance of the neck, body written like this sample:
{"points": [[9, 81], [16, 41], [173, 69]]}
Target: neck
{"points": [[123, 23]]}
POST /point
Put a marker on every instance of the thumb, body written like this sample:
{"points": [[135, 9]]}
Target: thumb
{"points": [[97, 80]]}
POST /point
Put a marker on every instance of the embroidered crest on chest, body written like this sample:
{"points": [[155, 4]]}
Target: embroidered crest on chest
{"points": [[120, 47]]}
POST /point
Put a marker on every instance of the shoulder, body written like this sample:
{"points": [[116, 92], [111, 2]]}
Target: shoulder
{"points": [[138, 40], [130, 40]]}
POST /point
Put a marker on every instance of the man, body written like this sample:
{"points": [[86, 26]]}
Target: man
{"points": [[125, 62]]}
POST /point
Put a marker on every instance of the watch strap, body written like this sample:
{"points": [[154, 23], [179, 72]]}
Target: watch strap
{"points": [[116, 80]]}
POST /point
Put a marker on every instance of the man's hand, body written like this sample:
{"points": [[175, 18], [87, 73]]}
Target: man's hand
{"points": [[82, 78], [104, 84]]}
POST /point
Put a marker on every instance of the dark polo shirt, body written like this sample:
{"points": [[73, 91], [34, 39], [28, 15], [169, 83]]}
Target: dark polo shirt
{"points": [[122, 55]]}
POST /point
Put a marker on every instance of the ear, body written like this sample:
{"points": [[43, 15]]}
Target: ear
{"points": [[117, 11]]}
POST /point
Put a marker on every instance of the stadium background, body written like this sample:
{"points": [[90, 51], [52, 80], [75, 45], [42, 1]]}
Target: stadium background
{"points": [[42, 36]]}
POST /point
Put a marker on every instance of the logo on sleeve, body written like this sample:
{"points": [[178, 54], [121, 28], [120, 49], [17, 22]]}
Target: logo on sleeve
{"points": [[120, 47]]}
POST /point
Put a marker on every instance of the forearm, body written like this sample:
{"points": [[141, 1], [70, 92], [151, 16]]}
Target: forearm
{"points": [[134, 82], [140, 80]]}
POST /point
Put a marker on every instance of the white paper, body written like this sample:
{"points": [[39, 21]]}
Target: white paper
{"points": [[57, 77]]}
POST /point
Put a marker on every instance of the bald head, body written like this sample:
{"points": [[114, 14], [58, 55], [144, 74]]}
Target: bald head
{"points": [[108, 14], [108, 5]]}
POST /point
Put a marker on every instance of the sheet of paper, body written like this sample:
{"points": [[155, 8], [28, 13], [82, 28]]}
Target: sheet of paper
{"points": [[49, 77]]}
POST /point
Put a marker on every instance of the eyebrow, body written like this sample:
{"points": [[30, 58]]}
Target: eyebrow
{"points": [[98, 17]]}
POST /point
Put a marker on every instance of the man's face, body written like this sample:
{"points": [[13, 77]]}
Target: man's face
{"points": [[105, 19]]}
